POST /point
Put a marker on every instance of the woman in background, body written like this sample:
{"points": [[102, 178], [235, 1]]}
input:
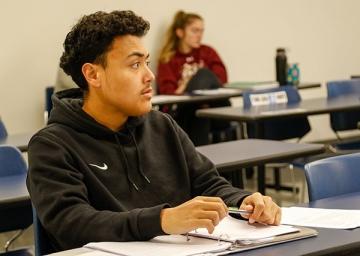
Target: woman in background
{"points": [[185, 64]]}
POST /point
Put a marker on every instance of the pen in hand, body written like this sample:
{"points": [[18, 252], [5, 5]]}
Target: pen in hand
{"points": [[234, 210]]}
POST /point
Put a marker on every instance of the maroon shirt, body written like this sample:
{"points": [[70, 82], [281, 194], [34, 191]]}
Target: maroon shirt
{"points": [[169, 73]]}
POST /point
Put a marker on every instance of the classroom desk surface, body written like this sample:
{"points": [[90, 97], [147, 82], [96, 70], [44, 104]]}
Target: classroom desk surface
{"points": [[232, 90], [20, 140], [158, 100], [303, 108], [328, 241], [231, 155], [267, 84], [234, 155], [259, 114]]}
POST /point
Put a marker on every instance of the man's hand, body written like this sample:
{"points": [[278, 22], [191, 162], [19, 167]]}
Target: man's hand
{"points": [[264, 209], [200, 212]]}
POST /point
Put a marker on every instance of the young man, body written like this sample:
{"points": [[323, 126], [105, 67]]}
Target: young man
{"points": [[107, 167]]}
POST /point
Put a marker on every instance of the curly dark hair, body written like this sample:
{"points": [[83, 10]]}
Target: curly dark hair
{"points": [[91, 38]]}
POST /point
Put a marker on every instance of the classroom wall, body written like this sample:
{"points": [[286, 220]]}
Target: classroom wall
{"points": [[322, 36]]}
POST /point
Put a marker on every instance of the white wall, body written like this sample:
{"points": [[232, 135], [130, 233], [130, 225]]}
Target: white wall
{"points": [[322, 35]]}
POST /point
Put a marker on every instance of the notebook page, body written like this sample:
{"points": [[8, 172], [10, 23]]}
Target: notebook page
{"points": [[231, 229], [321, 218], [174, 245]]}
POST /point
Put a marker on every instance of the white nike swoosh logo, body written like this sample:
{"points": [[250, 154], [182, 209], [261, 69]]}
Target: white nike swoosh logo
{"points": [[104, 167]]}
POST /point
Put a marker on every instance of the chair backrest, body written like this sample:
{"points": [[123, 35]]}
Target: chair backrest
{"points": [[43, 245], [280, 129], [14, 216], [333, 176], [12, 162], [348, 120], [3, 132]]}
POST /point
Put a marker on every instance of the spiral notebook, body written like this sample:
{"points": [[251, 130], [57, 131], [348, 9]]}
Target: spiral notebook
{"points": [[231, 235]]}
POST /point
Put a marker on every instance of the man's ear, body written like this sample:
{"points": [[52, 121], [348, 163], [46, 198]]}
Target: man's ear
{"points": [[91, 74], [179, 33]]}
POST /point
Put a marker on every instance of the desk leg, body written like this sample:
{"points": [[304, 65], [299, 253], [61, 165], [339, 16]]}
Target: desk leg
{"points": [[259, 130], [261, 179], [236, 178], [259, 134]]}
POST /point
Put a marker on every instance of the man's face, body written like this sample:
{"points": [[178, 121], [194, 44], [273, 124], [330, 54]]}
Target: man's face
{"points": [[126, 79]]}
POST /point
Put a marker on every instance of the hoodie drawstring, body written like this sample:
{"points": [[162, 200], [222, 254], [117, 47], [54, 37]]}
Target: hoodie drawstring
{"points": [[127, 164], [139, 158]]}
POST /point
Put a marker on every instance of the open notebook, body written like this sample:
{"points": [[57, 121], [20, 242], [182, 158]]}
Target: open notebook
{"points": [[231, 235]]}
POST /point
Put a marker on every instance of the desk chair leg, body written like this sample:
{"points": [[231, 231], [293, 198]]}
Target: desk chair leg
{"points": [[243, 176], [11, 240], [277, 179], [294, 188], [237, 179], [261, 179], [338, 136]]}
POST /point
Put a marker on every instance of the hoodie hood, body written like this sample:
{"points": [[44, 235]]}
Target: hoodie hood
{"points": [[67, 110]]}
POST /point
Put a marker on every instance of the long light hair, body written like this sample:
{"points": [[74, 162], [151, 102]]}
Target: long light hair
{"points": [[181, 20]]}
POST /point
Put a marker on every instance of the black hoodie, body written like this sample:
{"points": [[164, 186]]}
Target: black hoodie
{"points": [[89, 183]]}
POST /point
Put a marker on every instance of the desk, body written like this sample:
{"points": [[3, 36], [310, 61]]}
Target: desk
{"points": [[328, 242], [234, 90], [268, 84], [230, 156], [159, 100], [258, 114], [20, 140]]}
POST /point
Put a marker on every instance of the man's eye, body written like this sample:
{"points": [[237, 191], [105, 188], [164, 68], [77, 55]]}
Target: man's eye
{"points": [[136, 65], [148, 63]]}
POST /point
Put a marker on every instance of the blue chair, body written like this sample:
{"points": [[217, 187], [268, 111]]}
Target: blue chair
{"points": [[333, 176], [280, 129], [3, 132], [339, 121], [347, 120], [43, 244], [16, 214]]}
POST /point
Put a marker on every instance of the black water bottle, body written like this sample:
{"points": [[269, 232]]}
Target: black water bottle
{"points": [[281, 66]]}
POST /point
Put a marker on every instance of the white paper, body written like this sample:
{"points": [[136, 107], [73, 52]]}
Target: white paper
{"points": [[264, 86], [163, 98], [171, 245], [322, 218], [218, 91], [233, 230]]}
